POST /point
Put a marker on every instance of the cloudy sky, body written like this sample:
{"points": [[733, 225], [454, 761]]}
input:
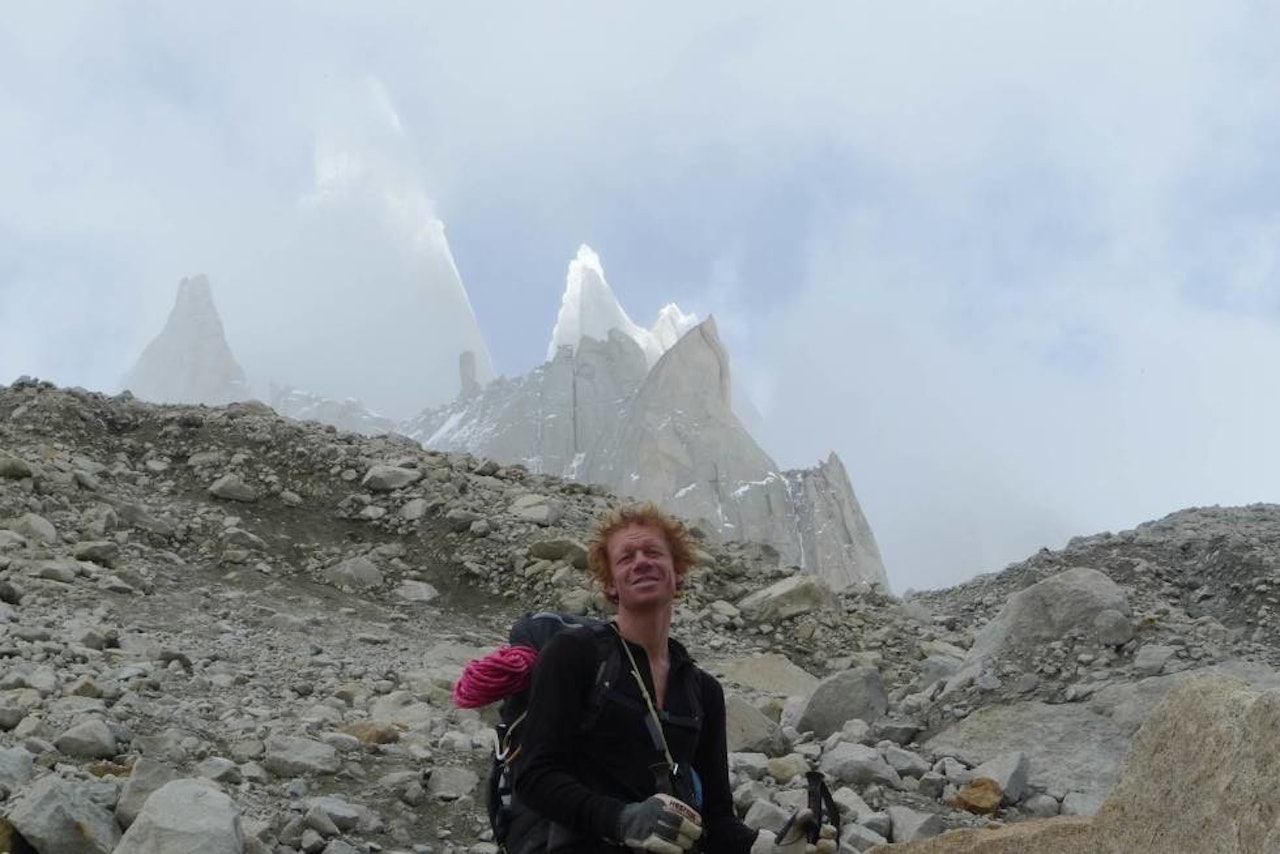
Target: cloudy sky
{"points": [[1017, 263]]}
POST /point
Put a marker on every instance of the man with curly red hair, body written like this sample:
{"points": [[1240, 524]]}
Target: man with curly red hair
{"points": [[650, 772]]}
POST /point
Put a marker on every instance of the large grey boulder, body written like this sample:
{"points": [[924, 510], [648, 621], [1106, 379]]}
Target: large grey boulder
{"points": [[1071, 600], [906, 762], [859, 765], [561, 549], [1069, 747], [1151, 659], [102, 552], [357, 573], [34, 527], [89, 739], [289, 756], [343, 815], [383, 478], [55, 815], [416, 591], [1049, 609], [187, 815], [14, 467], [190, 360], [790, 597], [855, 837], [450, 782], [1201, 776], [11, 541], [147, 776], [857, 693], [538, 509], [765, 815], [1074, 747], [910, 825], [1009, 770], [749, 730], [770, 672], [17, 767], [231, 487]]}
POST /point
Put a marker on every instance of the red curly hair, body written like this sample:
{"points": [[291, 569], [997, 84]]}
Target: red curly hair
{"points": [[648, 515]]}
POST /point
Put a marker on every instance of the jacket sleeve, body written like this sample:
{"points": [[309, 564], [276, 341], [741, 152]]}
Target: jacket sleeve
{"points": [[724, 832], [544, 780]]}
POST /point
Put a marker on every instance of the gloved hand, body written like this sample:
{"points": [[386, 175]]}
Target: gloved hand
{"points": [[795, 839], [661, 824]]}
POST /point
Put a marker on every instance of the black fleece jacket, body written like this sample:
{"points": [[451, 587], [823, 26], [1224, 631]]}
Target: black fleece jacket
{"points": [[581, 779]]}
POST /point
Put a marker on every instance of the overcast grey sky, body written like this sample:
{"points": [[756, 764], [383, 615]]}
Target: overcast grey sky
{"points": [[1018, 263]]}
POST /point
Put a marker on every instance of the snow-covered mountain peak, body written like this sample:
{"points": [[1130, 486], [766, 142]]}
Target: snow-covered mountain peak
{"points": [[589, 308]]}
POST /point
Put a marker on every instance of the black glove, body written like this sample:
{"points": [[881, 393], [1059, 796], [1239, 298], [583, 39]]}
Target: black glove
{"points": [[661, 824]]}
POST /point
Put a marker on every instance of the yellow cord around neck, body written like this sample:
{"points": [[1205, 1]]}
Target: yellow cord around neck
{"points": [[648, 700]]}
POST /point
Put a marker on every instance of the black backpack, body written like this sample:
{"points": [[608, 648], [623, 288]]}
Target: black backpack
{"points": [[515, 827], [535, 630]]}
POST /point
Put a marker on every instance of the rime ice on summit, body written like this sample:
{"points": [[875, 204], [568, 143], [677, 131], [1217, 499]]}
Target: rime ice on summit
{"points": [[589, 308], [190, 360]]}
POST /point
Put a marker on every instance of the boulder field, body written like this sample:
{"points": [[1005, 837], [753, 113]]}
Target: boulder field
{"points": [[224, 630]]}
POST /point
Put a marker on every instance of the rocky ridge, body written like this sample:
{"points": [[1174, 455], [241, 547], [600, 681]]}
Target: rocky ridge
{"points": [[236, 632], [669, 434], [596, 412], [350, 414]]}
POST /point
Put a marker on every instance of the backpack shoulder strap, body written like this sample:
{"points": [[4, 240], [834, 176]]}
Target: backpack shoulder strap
{"points": [[608, 666], [693, 687]]}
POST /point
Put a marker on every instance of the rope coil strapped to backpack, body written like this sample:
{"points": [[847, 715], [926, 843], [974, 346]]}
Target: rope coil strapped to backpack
{"points": [[505, 671]]}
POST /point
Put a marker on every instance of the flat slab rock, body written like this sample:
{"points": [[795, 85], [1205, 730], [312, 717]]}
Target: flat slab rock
{"points": [[289, 756], [57, 815], [1074, 747], [187, 815], [1200, 777]]}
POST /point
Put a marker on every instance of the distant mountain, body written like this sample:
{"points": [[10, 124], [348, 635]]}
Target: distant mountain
{"points": [[597, 412], [646, 412], [190, 360]]}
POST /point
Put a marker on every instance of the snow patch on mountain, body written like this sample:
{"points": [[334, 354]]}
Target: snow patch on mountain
{"points": [[589, 308]]}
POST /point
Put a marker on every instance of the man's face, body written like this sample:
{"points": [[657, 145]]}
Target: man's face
{"points": [[642, 574]]}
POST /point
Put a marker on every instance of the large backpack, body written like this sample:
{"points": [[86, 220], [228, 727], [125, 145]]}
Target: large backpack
{"points": [[535, 630]]}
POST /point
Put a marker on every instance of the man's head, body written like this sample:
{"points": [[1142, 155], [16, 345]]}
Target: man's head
{"points": [[620, 524]]}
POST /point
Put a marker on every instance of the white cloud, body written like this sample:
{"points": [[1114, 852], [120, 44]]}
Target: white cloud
{"points": [[1104, 401], [1027, 279]]}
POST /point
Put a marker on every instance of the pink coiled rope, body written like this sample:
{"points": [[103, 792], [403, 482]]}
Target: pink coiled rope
{"points": [[492, 677]]}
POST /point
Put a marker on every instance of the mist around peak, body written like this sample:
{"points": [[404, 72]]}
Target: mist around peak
{"points": [[368, 299]]}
